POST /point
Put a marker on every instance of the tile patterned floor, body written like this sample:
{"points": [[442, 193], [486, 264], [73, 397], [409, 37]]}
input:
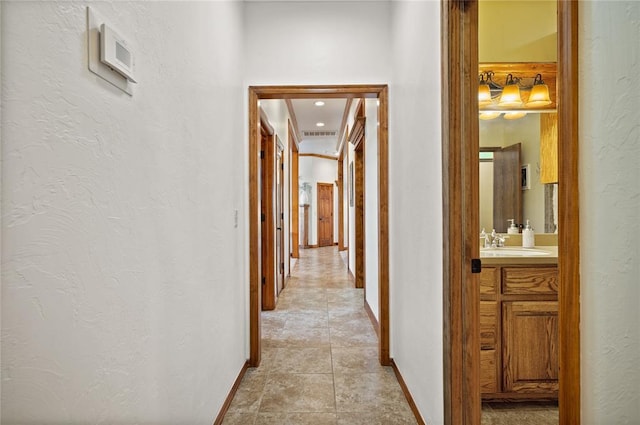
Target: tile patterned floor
{"points": [[319, 356], [520, 413]]}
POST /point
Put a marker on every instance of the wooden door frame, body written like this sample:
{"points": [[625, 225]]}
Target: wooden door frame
{"points": [[267, 221], [379, 91], [357, 138], [459, 38], [340, 185], [280, 151], [360, 248], [318, 184], [294, 178]]}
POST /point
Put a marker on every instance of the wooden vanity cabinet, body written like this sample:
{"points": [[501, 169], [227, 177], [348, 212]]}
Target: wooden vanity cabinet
{"points": [[519, 332]]}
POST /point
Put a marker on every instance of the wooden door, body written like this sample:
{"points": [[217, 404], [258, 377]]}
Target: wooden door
{"points": [[507, 192], [280, 219], [530, 346], [267, 209], [325, 214]]}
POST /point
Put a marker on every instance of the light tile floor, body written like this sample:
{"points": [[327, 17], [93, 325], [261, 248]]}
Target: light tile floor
{"points": [[319, 356], [523, 413]]}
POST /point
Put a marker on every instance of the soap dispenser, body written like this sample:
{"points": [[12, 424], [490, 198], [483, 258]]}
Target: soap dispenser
{"points": [[528, 240], [513, 229]]}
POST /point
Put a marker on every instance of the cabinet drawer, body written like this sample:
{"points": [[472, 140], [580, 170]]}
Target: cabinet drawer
{"points": [[530, 280], [488, 325], [488, 371], [489, 278]]}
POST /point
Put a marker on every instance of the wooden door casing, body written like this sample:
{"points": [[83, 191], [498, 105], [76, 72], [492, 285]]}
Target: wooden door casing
{"points": [[325, 214], [267, 245], [256, 93], [279, 216]]}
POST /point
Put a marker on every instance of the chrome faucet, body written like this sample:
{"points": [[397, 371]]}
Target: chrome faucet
{"points": [[497, 241], [484, 235]]}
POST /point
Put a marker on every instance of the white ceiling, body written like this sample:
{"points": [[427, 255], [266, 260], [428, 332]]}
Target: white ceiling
{"points": [[307, 115]]}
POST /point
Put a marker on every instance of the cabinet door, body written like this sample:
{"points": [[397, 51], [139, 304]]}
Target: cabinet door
{"points": [[530, 346]]}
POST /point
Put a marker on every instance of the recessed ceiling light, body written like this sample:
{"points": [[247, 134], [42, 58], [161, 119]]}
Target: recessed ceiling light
{"points": [[319, 103], [319, 124]]}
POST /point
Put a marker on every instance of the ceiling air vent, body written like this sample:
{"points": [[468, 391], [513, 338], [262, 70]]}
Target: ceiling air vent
{"points": [[307, 133]]}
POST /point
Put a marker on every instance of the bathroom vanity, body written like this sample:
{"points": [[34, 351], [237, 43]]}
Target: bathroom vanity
{"points": [[519, 324]]}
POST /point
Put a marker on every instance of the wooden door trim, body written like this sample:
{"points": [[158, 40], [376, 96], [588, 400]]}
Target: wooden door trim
{"points": [[267, 204], [459, 40], [294, 213], [569, 213], [280, 270], [340, 184], [379, 91], [360, 212], [460, 161]]}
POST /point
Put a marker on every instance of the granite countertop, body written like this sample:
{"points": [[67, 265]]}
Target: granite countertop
{"points": [[496, 258]]}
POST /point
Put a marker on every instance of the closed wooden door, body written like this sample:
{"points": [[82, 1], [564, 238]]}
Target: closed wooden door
{"points": [[280, 220], [507, 191], [325, 214]]}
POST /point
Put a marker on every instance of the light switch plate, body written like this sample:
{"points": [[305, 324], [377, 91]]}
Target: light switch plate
{"points": [[94, 20]]}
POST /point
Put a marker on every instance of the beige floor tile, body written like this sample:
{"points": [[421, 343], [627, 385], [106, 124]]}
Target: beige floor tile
{"points": [[310, 337], [354, 337], [319, 356], [305, 319], [291, 392], [239, 418], [369, 392], [355, 360], [520, 413], [376, 418], [247, 398], [296, 419], [303, 360]]}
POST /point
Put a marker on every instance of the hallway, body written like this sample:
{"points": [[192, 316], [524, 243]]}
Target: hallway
{"points": [[320, 356]]}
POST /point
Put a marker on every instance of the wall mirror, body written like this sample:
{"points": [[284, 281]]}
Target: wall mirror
{"points": [[507, 148]]}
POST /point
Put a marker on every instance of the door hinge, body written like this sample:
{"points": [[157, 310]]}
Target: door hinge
{"points": [[261, 154], [281, 216], [264, 280], [262, 217], [476, 265], [282, 267], [282, 167]]}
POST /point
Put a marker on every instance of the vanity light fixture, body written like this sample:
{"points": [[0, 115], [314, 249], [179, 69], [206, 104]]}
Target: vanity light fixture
{"points": [[539, 93], [510, 96], [514, 115], [484, 91], [489, 115]]}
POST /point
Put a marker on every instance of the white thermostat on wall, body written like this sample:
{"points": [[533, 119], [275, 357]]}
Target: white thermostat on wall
{"points": [[115, 53]]}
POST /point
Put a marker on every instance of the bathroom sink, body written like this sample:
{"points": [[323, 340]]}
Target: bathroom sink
{"points": [[513, 252]]}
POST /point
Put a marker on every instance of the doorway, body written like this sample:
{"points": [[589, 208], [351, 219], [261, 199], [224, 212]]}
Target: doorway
{"points": [[256, 93], [280, 278], [460, 153], [325, 214]]}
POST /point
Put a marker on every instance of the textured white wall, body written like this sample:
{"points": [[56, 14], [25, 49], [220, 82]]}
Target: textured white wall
{"points": [[123, 295], [610, 211], [415, 209], [317, 42], [371, 204]]}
